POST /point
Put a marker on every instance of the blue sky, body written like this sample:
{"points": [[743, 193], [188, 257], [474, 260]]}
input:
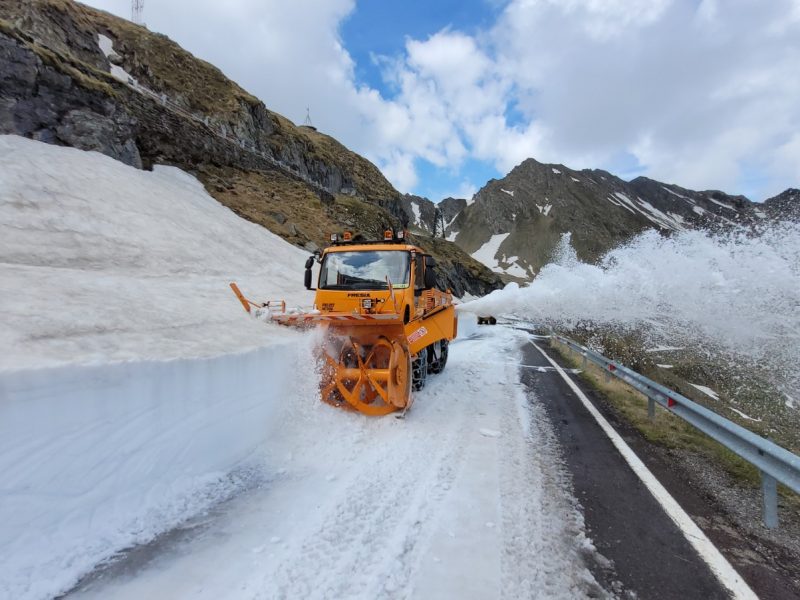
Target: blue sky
{"points": [[380, 29], [445, 95], [376, 27]]}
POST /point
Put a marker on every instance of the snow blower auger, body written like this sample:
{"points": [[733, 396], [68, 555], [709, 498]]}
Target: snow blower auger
{"points": [[385, 325]]}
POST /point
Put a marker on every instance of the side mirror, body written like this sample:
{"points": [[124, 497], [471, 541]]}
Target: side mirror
{"points": [[309, 264]]}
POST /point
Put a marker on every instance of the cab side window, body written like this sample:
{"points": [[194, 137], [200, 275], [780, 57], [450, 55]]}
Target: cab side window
{"points": [[419, 275]]}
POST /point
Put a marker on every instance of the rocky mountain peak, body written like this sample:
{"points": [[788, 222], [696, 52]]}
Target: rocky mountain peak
{"points": [[516, 222]]}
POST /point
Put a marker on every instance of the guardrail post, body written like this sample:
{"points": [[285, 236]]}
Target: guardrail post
{"points": [[584, 361], [769, 487], [651, 409]]}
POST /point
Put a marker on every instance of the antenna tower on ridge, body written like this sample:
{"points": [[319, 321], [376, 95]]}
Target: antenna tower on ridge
{"points": [[137, 6], [307, 123]]}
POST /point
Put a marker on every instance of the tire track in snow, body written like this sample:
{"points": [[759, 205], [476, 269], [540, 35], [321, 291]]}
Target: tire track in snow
{"points": [[380, 513]]}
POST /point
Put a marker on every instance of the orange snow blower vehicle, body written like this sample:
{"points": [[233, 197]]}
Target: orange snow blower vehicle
{"points": [[385, 325]]}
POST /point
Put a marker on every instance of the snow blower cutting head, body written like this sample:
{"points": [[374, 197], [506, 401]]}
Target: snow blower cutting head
{"points": [[385, 324]]}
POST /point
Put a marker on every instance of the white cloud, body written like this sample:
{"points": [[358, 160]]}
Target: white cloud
{"points": [[399, 169], [700, 94]]}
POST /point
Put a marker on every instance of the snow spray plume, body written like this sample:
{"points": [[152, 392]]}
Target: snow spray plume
{"points": [[736, 292]]}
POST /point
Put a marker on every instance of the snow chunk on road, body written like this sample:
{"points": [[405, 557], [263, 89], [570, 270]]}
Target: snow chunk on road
{"points": [[491, 433]]}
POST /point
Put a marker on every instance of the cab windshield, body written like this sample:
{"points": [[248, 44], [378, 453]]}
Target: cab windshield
{"points": [[364, 270]]}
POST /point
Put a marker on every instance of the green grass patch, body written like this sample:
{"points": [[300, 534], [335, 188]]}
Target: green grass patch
{"points": [[666, 429]]}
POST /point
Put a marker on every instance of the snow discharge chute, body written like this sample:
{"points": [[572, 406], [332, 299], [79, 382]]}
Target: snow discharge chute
{"points": [[384, 324]]}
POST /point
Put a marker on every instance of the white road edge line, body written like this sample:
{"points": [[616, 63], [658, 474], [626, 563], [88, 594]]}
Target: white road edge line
{"points": [[718, 564]]}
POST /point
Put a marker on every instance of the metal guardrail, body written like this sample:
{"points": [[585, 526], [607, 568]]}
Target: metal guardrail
{"points": [[776, 464]]}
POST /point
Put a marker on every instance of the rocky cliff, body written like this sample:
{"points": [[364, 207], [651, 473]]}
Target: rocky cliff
{"points": [[784, 206], [77, 76]]}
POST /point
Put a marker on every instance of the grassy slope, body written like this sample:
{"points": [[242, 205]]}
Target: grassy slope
{"points": [[668, 430]]}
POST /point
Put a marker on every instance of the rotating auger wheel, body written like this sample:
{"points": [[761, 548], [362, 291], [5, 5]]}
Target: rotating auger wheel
{"points": [[374, 379]]}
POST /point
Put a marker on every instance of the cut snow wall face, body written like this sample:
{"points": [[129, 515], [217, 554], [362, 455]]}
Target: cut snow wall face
{"points": [[95, 459]]}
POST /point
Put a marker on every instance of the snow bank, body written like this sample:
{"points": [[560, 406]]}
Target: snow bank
{"points": [[101, 262], [133, 387], [98, 458]]}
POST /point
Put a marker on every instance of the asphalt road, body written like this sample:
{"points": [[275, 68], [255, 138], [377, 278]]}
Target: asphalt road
{"points": [[649, 557]]}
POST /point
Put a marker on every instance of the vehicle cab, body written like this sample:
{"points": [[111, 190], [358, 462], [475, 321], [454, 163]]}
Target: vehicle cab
{"points": [[372, 278]]}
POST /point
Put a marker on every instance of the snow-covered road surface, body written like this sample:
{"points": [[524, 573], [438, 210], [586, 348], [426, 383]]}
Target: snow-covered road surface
{"points": [[465, 498]]}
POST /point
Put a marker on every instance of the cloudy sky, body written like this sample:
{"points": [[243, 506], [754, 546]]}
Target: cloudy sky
{"points": [[443, 95]]}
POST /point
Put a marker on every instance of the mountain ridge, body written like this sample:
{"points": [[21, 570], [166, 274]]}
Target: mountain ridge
{"points": [[514, 224]]}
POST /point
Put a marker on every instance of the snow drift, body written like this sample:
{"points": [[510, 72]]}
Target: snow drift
{"points": [[736, 292], [101, 262], [133, 388]]}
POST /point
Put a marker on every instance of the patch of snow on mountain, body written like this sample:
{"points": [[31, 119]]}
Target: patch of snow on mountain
{"points": [[107, 48], [509, 192], [722, 204], [617, 203], [516, 270], [627, 203], [416, 211], [743, 415], [486, 254], [699, 210], [677, 194], [760, 214], [575, 179], [706, 390], [544, 210], [556, 171], [658, 217]]}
